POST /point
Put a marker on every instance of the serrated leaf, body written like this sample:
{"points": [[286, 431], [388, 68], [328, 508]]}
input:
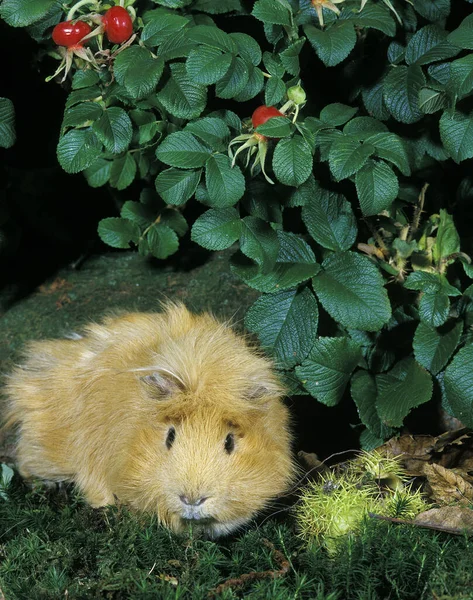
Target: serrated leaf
{"points": [[401, 92], [364, 393], [406, 386], [292, 161], [428, 45], [78, 149], [327, 370], [217, 8], [463, 35], [123, 171], [351, 289], [176, 186], [212, 131], [434, 347], [334, 44], [81, 114], [259, 242], [337, 114], [295, 263], [363, 127], [217, 228], [175, 220], [183, 150], [206, 65], [433, 11], [456, 133], [430, 283], [248, 48], [83, 95], [461, 72], [373, 100], [162, 240], [176, 46], [138, 71], [273, 65], [330, 220], [285, 323], [434, 309], [84, 79], [225, 185], [213, 37], [347, 156], [117, 232], [146, 124], [98, 174], [138, 213], [7, 123], [272, 12], [231, 84], [458, 382], [274, 91], [431, 100], [160, 25], [182, 97], [374, 16], [290, 57], [114, 129], [390, 147], [276, 127], [377, 187], [20, 13], [447, 241], [253, 86]]}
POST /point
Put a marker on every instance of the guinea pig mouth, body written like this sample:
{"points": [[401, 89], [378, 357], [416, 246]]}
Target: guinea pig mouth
{"points": [[193, 514]]}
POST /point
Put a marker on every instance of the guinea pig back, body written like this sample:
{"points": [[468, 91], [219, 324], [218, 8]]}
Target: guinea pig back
{"points": [[171, 413]]}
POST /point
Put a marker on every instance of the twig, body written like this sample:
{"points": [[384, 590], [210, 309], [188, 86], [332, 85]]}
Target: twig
{"points": [[452, 530], [417, 212], [278, 557]]}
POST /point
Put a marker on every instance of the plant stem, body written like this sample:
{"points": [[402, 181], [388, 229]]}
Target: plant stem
{"points": [[76, 7]]}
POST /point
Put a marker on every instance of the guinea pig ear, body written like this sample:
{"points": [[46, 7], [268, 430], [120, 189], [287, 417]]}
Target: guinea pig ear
{"points": [[260, 389], [162, 384]]}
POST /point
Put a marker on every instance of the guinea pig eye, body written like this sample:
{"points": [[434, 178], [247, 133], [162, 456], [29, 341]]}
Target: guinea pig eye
{"points": [[171, 436], [229, 443]]}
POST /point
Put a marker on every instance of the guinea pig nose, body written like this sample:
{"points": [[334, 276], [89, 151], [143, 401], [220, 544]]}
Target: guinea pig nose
{"points": [[191, 502]]}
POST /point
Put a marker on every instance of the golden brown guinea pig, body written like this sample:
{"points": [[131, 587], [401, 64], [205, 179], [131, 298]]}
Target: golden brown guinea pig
{"points": [[168, 412]]}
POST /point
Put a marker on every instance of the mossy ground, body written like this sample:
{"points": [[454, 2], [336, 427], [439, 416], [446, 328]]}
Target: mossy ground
{"points": [[54, 546]]}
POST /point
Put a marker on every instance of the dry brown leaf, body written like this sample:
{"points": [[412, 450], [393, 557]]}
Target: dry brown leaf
{"points": [[415, 451], [448, 517], [447, 486]]}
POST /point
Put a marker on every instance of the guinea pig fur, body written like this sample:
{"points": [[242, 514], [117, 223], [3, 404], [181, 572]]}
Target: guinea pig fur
{"points": [[171, 413]]}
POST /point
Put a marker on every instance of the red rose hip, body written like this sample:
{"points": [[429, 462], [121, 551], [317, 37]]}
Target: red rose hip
{"points": [[117, 25], [263, 114], [69, 34]]}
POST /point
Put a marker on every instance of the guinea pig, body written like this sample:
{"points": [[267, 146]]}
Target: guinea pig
{"points": [[171, 413]]}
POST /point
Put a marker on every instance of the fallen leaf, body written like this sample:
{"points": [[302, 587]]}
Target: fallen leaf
{"points": [[416, 451], [448, 517], [447, 486]]}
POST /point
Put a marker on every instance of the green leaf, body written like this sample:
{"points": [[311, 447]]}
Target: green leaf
{"points": [[295, 263], [364, 127], [176, 186], [138, 71], [217, 228], [175, 220], [6, 475], [390, 146], [290, 57], [285, 323], [212, 131], [160, 25], [351, 289], [458, 382], [259, 242], [173, 3], [78, 149], [98, 174], [327, 370], [330, 220], [274, 91], [248, 48], [138, 213], [217, 8], [374, 16], [123, 172], [146, 123], [162, 240], [117, 232], [183, 150], [253, 86], [225, 185], [456, 133], [430, 283], [429, 45], [81, 115], [234, 82], [114, 129], [447, 241], [461, 71], [176, 46], [377, 187], [273, 12], [433, 348], [347, 156], [83, 95], [182, 97], [434, 309], [273, 65], [334, 44], [20, 13], [7, 123], [401, 92], [276, 127], [463, 35], [214, 37], [337, 114], [373, 100], [84, 79], [433, 11], [404, 387], [292, 160], [364, 393], [207, 65]]}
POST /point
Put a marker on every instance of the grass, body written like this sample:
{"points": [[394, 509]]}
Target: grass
{"points": [[54, 546]]}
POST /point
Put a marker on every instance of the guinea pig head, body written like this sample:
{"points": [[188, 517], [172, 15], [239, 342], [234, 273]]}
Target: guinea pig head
{"points": [[210, 454]]}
